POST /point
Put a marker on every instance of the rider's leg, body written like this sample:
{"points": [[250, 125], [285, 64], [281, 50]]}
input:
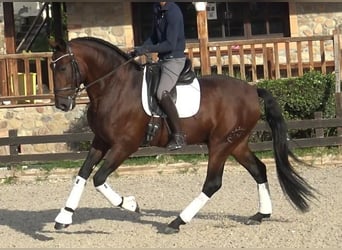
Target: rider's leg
{"points": [[169, 76], [177, 140]]}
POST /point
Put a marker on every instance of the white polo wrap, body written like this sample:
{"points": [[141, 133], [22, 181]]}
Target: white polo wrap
{"points": [[64, 216], [265, 204], [192, 209], [110, 194], [76, 193]]}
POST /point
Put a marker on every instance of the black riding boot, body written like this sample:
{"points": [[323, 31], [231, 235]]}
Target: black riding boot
{"points": [[178, 140]]}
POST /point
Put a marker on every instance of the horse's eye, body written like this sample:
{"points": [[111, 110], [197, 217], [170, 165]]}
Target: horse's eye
{"points": [[62, 68]]}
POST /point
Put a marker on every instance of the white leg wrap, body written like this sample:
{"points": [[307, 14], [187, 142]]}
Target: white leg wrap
{"points": [[76, 193], [192, 209], [265, 204], [110, 195], [129, 203], [64, 217]]}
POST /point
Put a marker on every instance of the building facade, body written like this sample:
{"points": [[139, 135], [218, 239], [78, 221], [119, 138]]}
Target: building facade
{"points": [[126, 24]]}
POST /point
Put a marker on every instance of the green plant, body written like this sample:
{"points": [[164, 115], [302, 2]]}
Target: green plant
{"points": [[301, 97]]}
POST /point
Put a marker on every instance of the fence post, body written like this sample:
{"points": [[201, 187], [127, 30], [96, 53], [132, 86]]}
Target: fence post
{"points": [[338, 94], [14, 148], [202, 30], [319, 131], [337, 56]]}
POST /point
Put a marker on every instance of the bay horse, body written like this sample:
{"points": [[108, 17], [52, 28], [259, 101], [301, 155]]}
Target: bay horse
{"points": [[228, 111]]}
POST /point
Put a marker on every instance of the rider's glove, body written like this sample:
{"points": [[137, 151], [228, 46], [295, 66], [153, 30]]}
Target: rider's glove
{"points": [[138, 51]]}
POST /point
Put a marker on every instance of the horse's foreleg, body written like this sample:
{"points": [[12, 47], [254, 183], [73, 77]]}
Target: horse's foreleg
{"points": [[112, 162], [64, 218], [258, 171], [211, 185]]}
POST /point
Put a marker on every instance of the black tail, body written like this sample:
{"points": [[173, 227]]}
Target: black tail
{"points": [[293, 185]]}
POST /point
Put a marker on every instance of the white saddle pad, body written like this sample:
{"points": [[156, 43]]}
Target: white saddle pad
{"points": [[188, 98]]}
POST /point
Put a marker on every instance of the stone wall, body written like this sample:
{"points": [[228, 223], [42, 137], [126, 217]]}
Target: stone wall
{"points": [[45, 120], [110, 21], [315, 19]]}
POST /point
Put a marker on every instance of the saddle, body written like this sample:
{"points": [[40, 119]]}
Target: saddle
{"points": [[153, 72]]}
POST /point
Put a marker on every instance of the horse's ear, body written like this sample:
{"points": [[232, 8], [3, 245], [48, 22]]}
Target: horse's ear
{"points": [[58, 44]]}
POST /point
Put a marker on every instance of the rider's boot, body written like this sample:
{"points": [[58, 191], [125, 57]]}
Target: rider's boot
{"points": [[178, 139]]}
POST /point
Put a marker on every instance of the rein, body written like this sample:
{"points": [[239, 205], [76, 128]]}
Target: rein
{"points": [[105, 76]]}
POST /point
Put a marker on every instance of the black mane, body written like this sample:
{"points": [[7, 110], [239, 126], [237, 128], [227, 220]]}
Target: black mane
{"points": [[110, 46]]}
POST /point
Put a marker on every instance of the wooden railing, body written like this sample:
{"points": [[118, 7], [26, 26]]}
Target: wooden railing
{"points": [[26, 79], [274, 58], [30, 68]]}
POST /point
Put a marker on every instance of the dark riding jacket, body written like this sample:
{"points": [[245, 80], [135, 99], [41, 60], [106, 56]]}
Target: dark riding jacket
{"points": [[167, 38]]}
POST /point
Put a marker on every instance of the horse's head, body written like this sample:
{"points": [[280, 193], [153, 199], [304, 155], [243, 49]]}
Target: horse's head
{"points": [[66, 75]]}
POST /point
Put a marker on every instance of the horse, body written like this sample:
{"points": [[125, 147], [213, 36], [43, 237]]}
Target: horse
{"points": [[229, 108]]}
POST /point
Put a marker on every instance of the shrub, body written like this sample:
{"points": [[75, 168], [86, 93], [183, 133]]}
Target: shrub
{"points": [[301, 97]]}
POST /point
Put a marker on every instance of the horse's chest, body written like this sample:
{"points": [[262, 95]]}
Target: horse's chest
{"points": [[97, 118]]}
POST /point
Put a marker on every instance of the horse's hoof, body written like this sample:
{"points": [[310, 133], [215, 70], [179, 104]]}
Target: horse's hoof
{"points": [[257, 219], [60, 226], [171, 230]]}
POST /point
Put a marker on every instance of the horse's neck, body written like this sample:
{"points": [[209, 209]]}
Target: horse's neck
{"points": [[118, 82]]}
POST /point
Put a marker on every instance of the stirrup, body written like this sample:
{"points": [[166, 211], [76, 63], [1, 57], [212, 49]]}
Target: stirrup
{"points": [[177, 142]]}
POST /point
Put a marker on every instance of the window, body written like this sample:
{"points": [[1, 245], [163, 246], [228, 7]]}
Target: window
{"points": [[249, 19], [230, 20]]}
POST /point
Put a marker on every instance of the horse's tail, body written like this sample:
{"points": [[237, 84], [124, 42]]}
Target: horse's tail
{"points": [[293, 185]]}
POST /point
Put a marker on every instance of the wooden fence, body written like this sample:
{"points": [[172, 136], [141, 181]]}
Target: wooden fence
{"points": [[14, 142], [26, 78], [274, 58], [25, 74]]}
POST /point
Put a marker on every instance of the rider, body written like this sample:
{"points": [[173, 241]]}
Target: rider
{"points": [[168, 40]]}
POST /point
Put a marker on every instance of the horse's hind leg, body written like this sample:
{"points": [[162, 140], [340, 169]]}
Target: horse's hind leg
{"points": [[212, 184], [96, 153], [257, 169]]}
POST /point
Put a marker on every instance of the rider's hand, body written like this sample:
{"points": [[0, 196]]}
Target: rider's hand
{"points": [[138, 51]]}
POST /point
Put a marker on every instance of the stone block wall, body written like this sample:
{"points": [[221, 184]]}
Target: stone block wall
{"points": [[313, 19], [110, 21], [45, 120], [316, 19]]}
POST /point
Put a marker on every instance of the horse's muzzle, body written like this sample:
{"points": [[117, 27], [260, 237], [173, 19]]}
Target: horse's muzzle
{"points": [[65, 104]]}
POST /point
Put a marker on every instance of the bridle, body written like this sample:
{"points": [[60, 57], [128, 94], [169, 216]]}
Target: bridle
{"points": [[76, 71]]}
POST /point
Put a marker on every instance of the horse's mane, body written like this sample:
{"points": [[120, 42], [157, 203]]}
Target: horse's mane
{"points": [[110, 46]]}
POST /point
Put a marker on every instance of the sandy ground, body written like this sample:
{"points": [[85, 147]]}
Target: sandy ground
{"points": [[28, 209]]}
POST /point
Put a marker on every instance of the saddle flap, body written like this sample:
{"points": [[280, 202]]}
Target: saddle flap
{"points": [[187, 103], [152, 80]]}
